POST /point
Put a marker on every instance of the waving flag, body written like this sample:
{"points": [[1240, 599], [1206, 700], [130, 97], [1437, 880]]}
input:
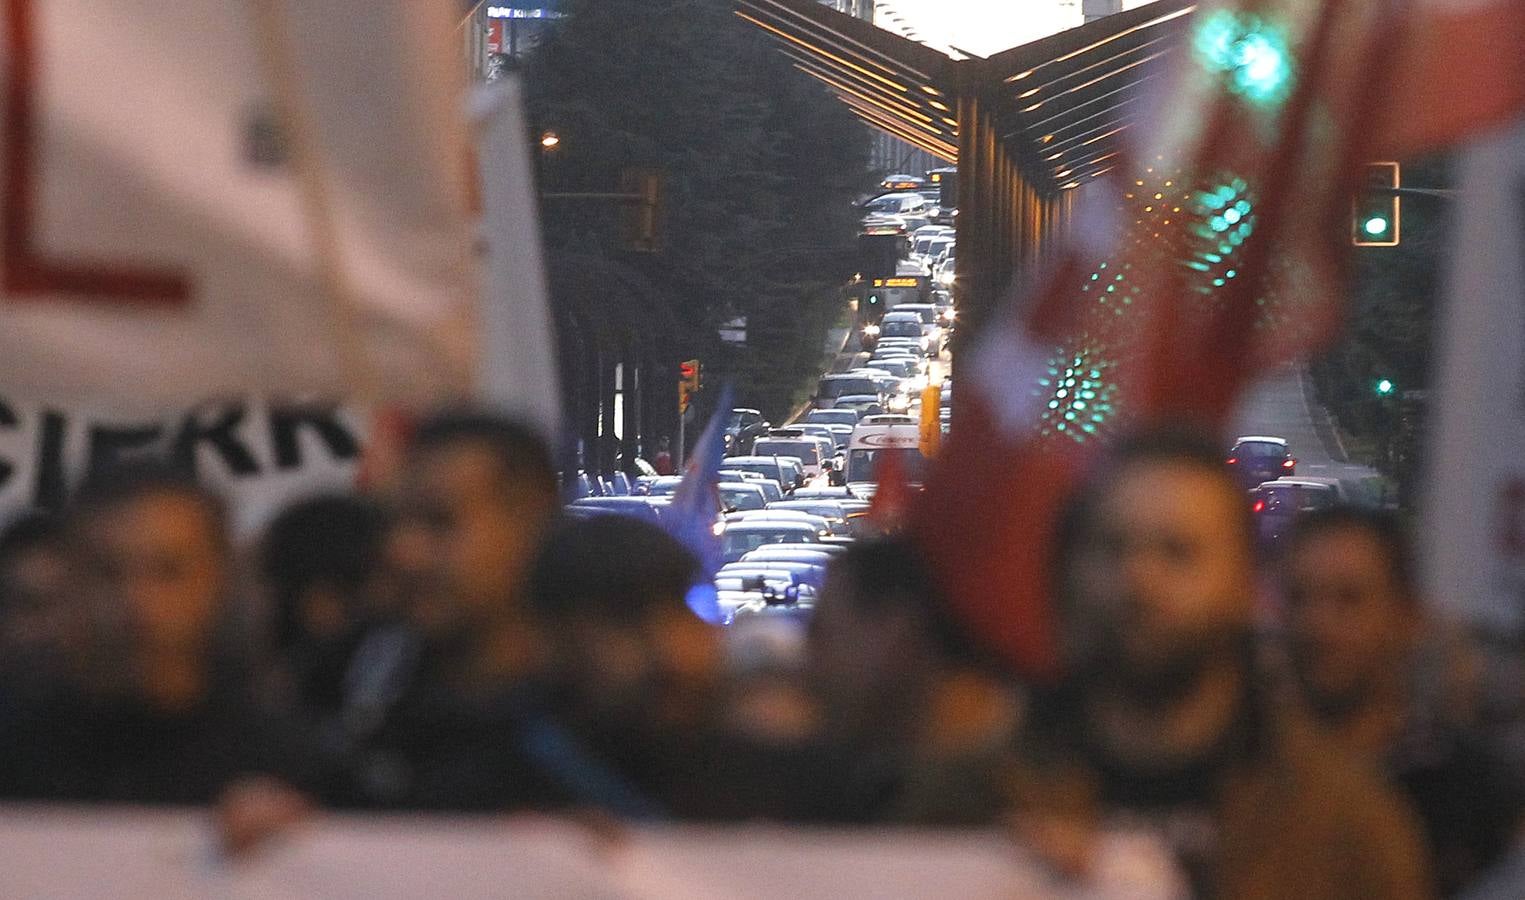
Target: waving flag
{"points": [[691, 518], [892, 494], [1212, 254]]}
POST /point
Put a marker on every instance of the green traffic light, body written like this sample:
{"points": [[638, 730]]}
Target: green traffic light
{"points": [[1384, 387], [1376, 226]]}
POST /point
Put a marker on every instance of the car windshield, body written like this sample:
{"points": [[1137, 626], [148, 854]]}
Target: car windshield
{"points": [[887, 204], [742, 497], [837, 387], [901, 329], [1297, 497], [734, 543], [807, 452], [733, 420], [765, 467], [862, 465], [1260, 450], [832, 416]]}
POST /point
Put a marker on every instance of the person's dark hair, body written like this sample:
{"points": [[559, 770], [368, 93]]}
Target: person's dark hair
{"points": [[26, 532], [612, 567], [334, 540], [1383, 527], [127, 482], [521, 453], [1163, 446], [890, 575]]}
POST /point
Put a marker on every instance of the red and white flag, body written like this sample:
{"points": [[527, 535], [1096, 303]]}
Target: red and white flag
{"points": [[1212, 254]]}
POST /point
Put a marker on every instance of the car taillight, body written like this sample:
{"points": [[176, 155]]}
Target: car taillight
{"points": [[1233, 460], [1260, 506], [1288, 463]]}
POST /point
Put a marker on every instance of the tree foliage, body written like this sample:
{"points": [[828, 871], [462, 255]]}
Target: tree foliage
{"points": [[1389, 332], [761, 166]]}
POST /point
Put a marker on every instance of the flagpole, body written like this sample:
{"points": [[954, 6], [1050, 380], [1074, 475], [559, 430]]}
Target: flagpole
{"points": [[357, 374]]}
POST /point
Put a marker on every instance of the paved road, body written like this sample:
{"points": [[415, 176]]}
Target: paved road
{"points": [[1282, 405]]}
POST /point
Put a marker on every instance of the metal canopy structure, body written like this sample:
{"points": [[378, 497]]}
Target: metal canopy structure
{"points": [[893, 84], [1025, 127], [1067, 99]]}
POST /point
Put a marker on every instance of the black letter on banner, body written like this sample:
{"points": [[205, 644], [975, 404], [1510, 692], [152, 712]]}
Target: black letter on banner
{"points": [[8, 420], [220, 434], [109, 446], [285, 421], [52, 489]]}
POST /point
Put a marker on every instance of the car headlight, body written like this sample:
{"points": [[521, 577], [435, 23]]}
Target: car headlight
{"points": [[718, 528], [949, 314], [871, 330]]}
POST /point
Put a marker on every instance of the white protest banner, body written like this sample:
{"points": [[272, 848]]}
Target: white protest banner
{"points": [[519, 373], [1475, 514], [135, 854], [211, 200], [259, 455]]}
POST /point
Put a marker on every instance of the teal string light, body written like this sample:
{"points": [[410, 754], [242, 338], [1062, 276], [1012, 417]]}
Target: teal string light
{"points": [[1080, 395], [1251, 55], [1222, 218]]}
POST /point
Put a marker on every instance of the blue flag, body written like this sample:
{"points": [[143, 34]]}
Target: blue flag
{"points": [[695, 506]]}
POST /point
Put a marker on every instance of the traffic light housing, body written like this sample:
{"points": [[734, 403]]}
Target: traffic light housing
{"points": [[1376, 211], [642, 212], [688, 382]]}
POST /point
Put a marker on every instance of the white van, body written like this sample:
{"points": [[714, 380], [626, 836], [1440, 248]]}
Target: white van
{"points": [[871, 440]]}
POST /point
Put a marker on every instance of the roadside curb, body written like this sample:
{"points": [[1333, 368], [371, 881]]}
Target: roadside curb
{"points": [[1323, 426]]}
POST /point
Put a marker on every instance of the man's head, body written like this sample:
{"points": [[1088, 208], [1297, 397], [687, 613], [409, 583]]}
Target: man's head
{"points": [[153, 554], [475, 496], [39, 620], [611, 592], [1155, 567], [1353, 613], [319, 559], [878, 636]]}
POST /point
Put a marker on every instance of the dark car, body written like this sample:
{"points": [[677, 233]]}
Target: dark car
{"points": [[742, 427], [739, 538], [645, 508], [1253, 460], [833, 387]]}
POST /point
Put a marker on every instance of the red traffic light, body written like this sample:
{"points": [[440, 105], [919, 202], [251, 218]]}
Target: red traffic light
{"points": [[687, 370]]}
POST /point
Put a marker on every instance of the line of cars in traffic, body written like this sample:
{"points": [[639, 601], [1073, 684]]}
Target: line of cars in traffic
{"points": [[791, 501], [790, 498], [1265, 467]]}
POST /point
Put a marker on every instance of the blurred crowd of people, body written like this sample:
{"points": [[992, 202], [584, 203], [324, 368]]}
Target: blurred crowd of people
{"points": [[1291, 728]]}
